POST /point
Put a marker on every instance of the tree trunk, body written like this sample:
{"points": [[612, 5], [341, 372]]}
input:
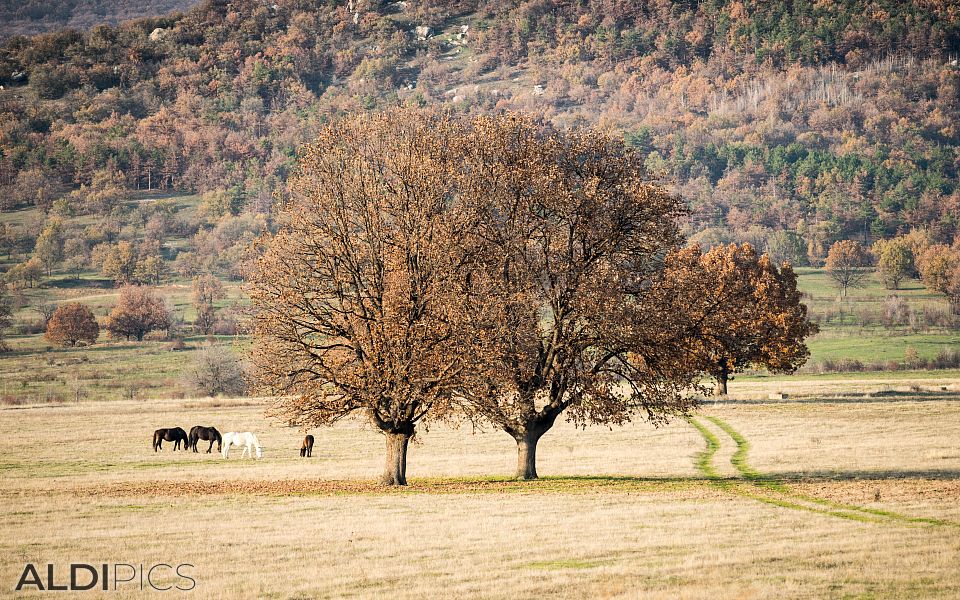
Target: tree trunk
{"points": [[527, 454], [395, 469], [723, 376], [721, 385]]}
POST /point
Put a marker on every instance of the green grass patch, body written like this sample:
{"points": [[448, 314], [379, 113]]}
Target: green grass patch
{"points": [[817, 283], [837, 509], [879, 346], [705, 457], [568, 564], [891, 377]]}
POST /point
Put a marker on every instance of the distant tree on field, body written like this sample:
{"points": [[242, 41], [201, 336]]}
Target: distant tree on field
{"points": [[953, 288], [139, 311], [206, 290], [216, 371], [6, 315], [76, 254], [847, 264], [744, 311], [46, 310], [218, 203], [786, 246], [116, 261], [8, 240], [894, 261], [104, 194], [936, 264], [49, 246], [187, 264], [150, 270], [26, 274], [72, 323], [33, 186]]}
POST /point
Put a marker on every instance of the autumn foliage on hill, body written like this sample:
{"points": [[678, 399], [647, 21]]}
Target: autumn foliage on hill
{"points": [[38, 16], [821, 121]]}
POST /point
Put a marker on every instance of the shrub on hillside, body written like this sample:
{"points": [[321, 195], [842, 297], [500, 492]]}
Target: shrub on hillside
{"points": [[138, 311], [216, 371], [72, 324]]}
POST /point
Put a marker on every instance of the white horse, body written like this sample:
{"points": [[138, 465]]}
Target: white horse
{"points": [[246, 439]]}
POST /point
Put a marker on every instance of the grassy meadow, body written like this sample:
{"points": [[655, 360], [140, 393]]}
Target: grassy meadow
{"points": [[855, 341], [852, 495], [818, 484]]}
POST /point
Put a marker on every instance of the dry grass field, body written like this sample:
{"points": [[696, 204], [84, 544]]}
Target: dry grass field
{"points": [[851, 495]]}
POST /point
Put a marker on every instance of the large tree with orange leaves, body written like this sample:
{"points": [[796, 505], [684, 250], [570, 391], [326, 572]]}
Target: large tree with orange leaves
{"points": [[429, 267], [356, 298], [742, 310], [570, 239]]}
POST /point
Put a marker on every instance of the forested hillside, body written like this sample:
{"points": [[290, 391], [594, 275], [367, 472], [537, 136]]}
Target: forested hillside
{"points": [[787, 124], [39, 16]]}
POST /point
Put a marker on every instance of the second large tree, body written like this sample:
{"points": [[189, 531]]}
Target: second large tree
{"points": [[564, 298]]}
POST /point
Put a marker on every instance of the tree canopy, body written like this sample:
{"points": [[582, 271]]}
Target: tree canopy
{"points": [[355, 301], [71, 324], [139, 310], [494, 268], [571, 234], [742, 310]]}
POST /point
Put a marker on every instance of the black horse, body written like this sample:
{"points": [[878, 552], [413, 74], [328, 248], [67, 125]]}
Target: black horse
{"points": [[307, 448], [174, 434], [198, 432]]}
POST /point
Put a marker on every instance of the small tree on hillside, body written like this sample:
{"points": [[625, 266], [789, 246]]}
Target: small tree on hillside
{"points": [[936, 264], [216, 371], [847, 264], [117, 261], [206, 290], [743, 311], [77, 255], [26, 274], [786, 246], [150, 270], [139, 311], [953, 289], [49, 246], [894, 261], [71, 324]]}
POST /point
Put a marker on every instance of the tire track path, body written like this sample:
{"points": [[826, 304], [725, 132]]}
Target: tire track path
{"points": [[752, 484]]}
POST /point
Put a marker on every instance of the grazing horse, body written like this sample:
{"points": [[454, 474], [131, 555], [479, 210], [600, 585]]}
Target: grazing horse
{"points": [[307, 448], [198, 432], [174, 434], [246, 439]]}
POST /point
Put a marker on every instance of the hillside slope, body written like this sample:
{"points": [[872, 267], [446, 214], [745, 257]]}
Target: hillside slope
{"points": [[40, 16], [775, 120]]}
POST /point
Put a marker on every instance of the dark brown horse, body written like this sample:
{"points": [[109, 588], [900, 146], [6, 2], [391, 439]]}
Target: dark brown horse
{"points": [[174, 434], [307, 448], [198, 432]]}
